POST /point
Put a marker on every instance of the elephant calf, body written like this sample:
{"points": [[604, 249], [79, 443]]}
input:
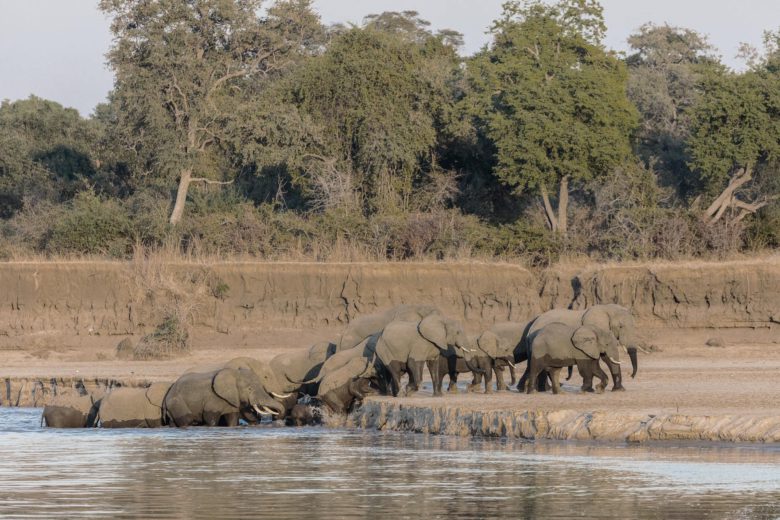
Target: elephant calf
{"points": [[133, 407]]}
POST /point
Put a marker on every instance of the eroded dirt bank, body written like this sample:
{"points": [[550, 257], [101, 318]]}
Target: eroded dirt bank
{"points": [[108, 298]]}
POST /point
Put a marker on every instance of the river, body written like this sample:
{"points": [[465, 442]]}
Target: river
{"points": [[277, 472]]}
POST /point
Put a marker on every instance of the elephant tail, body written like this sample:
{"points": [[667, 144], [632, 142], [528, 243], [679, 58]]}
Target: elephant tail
{"points": [[571, 371], [43, 419]]}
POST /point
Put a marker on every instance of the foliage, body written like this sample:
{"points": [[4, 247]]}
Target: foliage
{"points": [[552, 99], [378, 141]]}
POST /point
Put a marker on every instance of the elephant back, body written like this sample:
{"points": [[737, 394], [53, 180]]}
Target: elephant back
{"points": [[565, 316]]}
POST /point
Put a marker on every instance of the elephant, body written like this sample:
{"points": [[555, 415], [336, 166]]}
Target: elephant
{"points": [[495, 351], [406, 346], [218, 398], [343, 389], [282, 377], [71, 411], [349, 375], [557, 345], [615, 318], [133, 407], [362, 328], [303, 415]]}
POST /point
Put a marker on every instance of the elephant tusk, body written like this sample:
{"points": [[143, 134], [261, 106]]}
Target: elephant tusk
{"points": [[269, 411], [281, 396], [616, 362], [259, 411], [511, 364]]}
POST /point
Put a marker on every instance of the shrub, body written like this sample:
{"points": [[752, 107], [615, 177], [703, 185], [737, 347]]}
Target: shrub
{"points": [[90, 225], [170, 339]]}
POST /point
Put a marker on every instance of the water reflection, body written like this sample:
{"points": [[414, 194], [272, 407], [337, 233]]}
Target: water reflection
{"points": [[291, 473]]}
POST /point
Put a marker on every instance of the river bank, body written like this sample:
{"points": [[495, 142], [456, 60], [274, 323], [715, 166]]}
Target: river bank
{"points": [[60, 324]]}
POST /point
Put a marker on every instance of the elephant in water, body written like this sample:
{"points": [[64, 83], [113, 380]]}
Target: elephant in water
{"points": [[364, 327], [283, 375], [71, 411], [557, 345], [350, 375], [405, 347], [218, 398], [611, 317], [133, 407]]}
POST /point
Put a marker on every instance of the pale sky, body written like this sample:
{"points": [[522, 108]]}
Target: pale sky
{"points": [[56, 49]]}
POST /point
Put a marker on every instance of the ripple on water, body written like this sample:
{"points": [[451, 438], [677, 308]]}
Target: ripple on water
{"points": [[290, 473]]}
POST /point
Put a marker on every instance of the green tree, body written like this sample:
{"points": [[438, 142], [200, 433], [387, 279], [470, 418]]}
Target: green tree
{"points": [[736, 133], [47, 152], [181, 69], [553, 100], [380, 96], [664, 70]]}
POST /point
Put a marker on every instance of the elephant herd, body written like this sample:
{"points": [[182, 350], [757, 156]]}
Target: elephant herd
{"points": [[371, 357]]}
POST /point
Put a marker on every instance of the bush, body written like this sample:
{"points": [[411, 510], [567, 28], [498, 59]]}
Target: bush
{"points": [[90, 225], [170, 339]]}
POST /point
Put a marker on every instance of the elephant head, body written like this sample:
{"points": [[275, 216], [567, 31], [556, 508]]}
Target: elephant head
{"points": [[595, 342], [619, 321], [243, 389], [447, 334]]}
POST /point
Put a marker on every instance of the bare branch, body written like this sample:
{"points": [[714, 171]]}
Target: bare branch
{"points": [[210, 181]]}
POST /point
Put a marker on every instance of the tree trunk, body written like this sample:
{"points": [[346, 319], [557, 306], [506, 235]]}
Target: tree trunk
{"points": [[552, 221], [727, 199], [181, 196], [563, 206], [558, 223]]}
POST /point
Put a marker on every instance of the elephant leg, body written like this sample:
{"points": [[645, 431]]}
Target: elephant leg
{"points": [[523, 382], [229, 419], [535, 368], [500, 384], [211, 418], [436, 376], [476, 381], [395, 370], [585, 369], [415, 376], [571, 371], [488, 373], [601, 375], [617, 376], [555, 374], [512, 375]]}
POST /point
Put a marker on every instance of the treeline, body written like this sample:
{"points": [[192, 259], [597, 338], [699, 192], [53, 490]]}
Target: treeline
{"points": [[233, 130]]}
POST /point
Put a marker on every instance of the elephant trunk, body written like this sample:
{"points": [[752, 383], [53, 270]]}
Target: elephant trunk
{"points": [[632, 355]]}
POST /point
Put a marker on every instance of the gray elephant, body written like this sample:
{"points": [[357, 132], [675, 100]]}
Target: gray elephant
{"points": [[350, 375], [558, 345], [615, 318], [218, 398], [405, 347], [71, 411], [362, 328], [495, 351], [133, 407], [282, 377]]}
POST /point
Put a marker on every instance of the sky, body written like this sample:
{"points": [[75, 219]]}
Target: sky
{"points": [[56, 49]]}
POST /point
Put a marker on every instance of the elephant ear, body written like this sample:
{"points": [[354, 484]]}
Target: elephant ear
{"points": [[155, 394], [490, 344], [434, 330], [225, 386], [586, 340]]}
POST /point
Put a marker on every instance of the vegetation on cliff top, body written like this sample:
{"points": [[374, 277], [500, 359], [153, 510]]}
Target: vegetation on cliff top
{"points": [[237, 131]]}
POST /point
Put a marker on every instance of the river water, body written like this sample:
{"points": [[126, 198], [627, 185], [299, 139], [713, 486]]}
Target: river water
{"points": [[277, 472]]}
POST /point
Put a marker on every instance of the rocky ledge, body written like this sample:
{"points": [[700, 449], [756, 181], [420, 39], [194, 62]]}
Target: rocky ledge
{"points": [[565, 424]]}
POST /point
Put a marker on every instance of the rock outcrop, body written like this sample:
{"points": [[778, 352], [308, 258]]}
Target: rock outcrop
{"points": [[564, 424]]}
